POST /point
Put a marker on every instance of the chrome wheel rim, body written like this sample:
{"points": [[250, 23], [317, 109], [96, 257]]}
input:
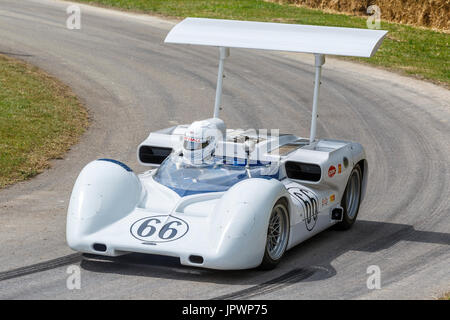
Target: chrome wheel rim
{"points": [[277, 232], [352, 195]]}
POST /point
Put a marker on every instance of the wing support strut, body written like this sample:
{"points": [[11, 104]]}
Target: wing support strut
{"points": [[223, 54], [319, 61]]}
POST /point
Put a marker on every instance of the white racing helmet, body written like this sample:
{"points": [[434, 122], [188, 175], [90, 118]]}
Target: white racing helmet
{"points": [[201, 139]]}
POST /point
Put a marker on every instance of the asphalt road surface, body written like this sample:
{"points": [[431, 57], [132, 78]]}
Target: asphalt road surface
{"points": [[132, 84]]}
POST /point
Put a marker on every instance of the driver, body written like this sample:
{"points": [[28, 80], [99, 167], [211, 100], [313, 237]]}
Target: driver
{"points": [[201, 139]]}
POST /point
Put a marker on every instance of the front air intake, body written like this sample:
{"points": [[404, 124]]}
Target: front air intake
{"points": [[99, 247], [153, 155], [303, 171], [196, 259]]}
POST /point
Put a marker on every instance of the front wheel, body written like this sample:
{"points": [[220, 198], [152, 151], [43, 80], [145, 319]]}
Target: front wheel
{"points": [[351, 199], [277, 235]]}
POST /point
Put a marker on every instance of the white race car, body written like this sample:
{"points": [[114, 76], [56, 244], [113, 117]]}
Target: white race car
{"points": [[221, 198]]}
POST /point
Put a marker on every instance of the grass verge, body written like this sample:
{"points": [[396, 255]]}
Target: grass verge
{"points": [[40, 118], [409, 50]]}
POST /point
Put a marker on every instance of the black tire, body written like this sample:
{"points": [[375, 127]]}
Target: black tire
{"points": [[351, 207], [270, 261]]}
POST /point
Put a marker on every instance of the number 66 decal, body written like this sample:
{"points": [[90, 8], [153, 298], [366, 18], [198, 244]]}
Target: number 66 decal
{"points": [[159, 229]]}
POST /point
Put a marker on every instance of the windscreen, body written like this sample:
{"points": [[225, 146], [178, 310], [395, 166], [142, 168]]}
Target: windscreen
{"points": [[186, 179]]}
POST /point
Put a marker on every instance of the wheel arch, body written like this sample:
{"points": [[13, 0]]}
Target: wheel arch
{"points": [[94, 200], [289, 205], [239, 229], [365, 173]]}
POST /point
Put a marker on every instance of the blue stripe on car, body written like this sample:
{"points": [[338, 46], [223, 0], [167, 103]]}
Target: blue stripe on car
{"points": [[123, 165]]}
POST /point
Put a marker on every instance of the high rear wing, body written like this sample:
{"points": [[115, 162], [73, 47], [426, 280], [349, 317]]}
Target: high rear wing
{"points": [[277, 36], [317, 40]]}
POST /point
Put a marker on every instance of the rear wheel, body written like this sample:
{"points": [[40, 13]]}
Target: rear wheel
{"points": [[351, 199], [277, 235]]}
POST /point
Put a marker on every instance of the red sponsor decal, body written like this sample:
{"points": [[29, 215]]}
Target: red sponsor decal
{"points": [[331, 171], [191, 139]]}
